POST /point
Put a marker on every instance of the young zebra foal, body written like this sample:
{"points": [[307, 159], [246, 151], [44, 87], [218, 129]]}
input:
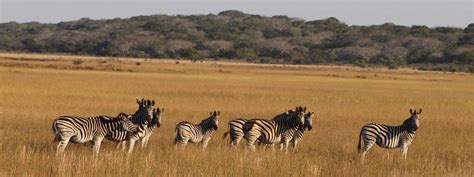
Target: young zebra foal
{"points": [[389, 137], [201, 133]]}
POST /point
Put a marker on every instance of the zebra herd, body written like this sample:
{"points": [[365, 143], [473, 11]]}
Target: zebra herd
{"points": [[285, 128]]}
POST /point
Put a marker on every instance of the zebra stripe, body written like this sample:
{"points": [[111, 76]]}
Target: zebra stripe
{"points": [[389, 137], [81, 130], [188, 132], [271, 131]]}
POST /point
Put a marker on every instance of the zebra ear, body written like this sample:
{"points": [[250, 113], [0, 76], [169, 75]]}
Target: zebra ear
{"points": [[304, 109], [138, 101], [153, 102], [218, 113], [411, 111], [419, 112]]}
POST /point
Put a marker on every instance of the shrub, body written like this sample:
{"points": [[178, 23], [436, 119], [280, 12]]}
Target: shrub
{"points": [[77, 62]]}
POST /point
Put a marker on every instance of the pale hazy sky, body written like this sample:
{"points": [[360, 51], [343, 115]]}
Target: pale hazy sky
{"points": [[457, 13]]}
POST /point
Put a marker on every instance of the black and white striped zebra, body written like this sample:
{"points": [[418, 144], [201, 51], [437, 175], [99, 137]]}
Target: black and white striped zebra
{"points": [[271, 131], [144, 131], [308, 125], [82, 130], [141, 118], [389, 136], [235, 129], [200, 133], [288, 135]]}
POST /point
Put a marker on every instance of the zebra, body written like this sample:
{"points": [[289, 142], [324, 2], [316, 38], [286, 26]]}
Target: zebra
{"points": [[145, 131], [389, 137], [141, 118], [86, 129], [271, 131], [235, 129], [202, 132], [289, 134], [308, 125]]}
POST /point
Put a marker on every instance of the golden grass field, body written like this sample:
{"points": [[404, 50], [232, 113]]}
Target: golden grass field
{"points": [[35, 89]]}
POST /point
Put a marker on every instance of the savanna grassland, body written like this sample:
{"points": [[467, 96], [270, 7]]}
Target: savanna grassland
{"points": [[35, 89]]}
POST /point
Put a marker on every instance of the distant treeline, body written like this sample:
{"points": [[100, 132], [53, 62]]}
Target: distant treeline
{"points": [[255, 38]]}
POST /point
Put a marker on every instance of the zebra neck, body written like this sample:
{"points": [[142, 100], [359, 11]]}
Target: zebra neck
{"points": [[138, 119], [206, 127]]}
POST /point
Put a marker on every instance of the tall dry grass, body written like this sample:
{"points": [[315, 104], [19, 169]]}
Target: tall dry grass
{"points": [[33, 93]]}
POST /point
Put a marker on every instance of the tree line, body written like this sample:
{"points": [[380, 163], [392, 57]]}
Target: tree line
{"points": [[254, 38]]}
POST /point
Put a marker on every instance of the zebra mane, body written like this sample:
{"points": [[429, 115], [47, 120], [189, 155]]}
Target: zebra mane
{"points": [[206, 120], [283, 115]]}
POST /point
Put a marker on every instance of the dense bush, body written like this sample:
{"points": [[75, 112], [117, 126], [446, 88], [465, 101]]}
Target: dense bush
{"points": [[236, 35]]}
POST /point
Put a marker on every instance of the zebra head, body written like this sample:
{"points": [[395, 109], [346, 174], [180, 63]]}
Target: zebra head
{"points": [[145, 109], [413, 122], [126, 124], [213, 120], [299, 115], [308, 120], [157, 116]]}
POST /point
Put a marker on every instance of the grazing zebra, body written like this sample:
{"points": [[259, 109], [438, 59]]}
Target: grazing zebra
{"points": [[188, 132], [236, 132], [271, 131], [389, 136], [81, 130], [145, 130], [308, 125]]}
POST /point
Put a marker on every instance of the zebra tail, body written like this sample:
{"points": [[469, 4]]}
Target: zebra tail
{"points": [[55, 130], [176, 137], [225, 135]]}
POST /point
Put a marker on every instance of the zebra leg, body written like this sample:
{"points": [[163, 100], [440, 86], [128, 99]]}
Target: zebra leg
{"points": [[121, 145], [368, 143], [404, 150], [97, 141], [182, 143], [205, 142], [251, 145], [145, 140], [285, 144], [62, 144], [294, 143], [131, 144], [235, 141]]}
